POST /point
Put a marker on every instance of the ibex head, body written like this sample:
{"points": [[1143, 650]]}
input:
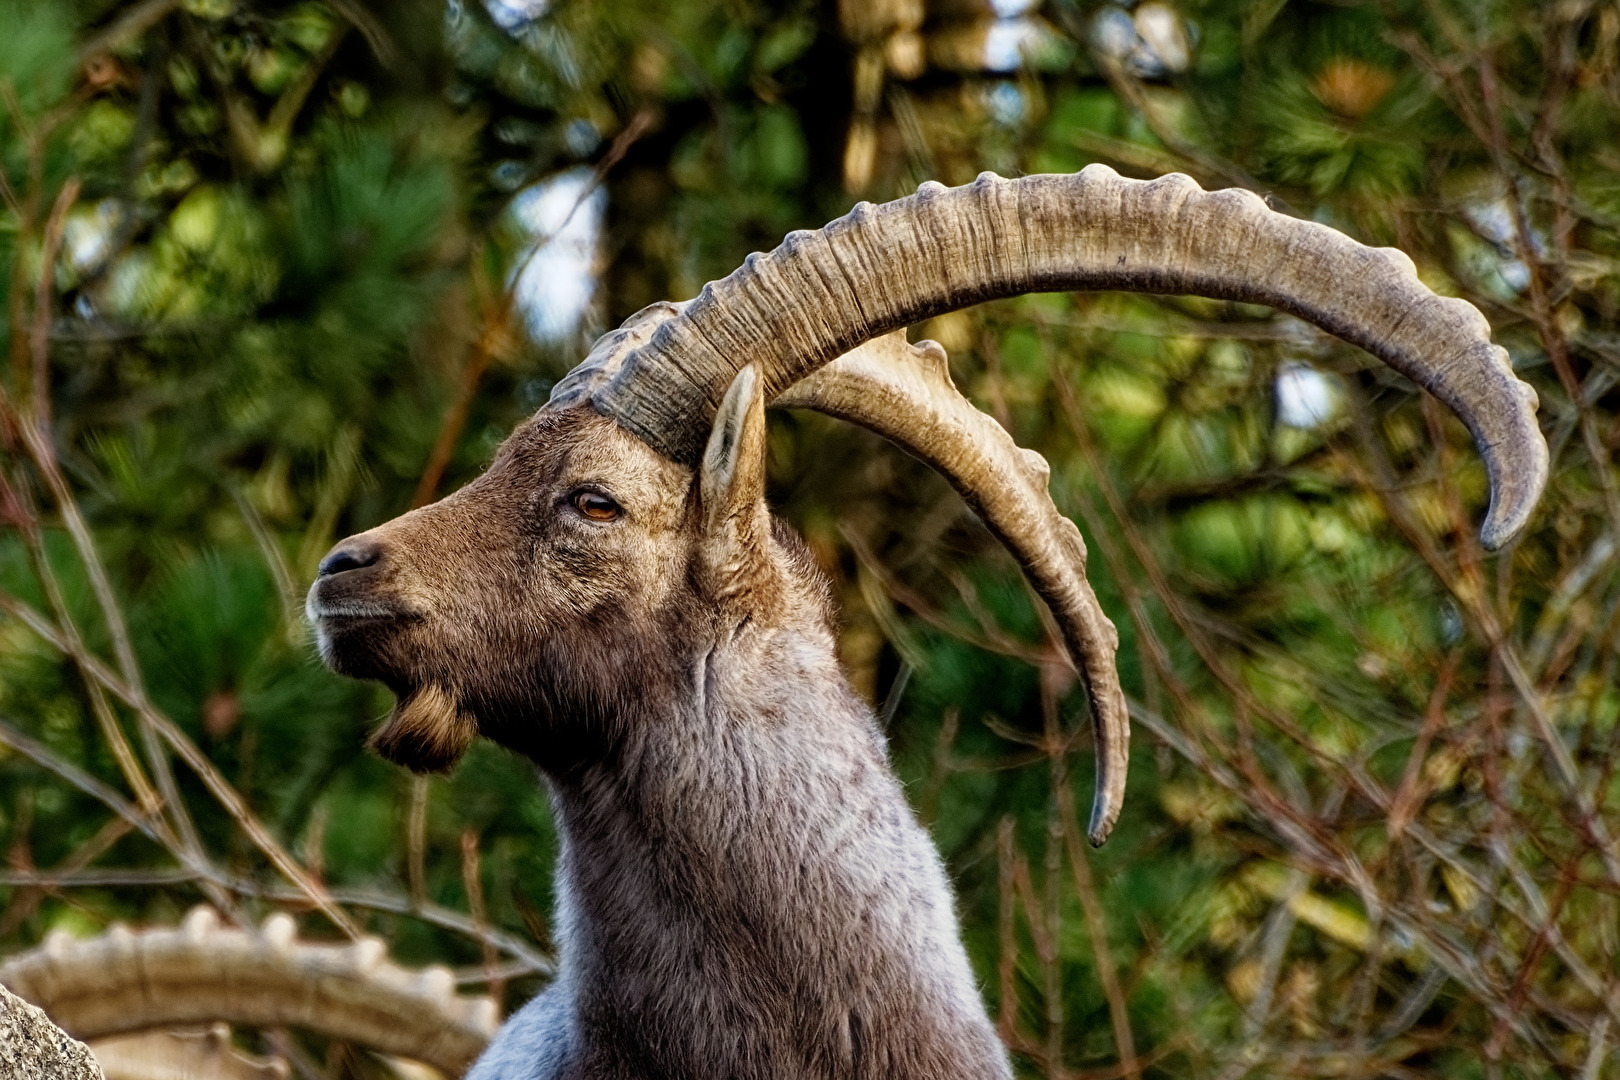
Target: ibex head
{"points": [[625, 525], [530, 603]]}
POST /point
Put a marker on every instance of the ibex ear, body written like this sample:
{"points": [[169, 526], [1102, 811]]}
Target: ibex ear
{"points": [[731, 485]]}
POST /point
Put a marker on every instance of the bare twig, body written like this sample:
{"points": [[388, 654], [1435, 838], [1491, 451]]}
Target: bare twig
{"points": [[371, 28], [130, 24], [416, 839], [1097, 928], [495, 337], [433, 914], [472, 880], [40, 755]]}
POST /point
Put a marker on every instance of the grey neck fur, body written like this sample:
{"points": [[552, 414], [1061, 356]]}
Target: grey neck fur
{"points": [[744, 892]]}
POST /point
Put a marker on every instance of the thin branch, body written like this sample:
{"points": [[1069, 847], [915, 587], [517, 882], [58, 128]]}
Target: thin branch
{"points": [[472, 881], [432, 914], [112, 877], [1129, 88], [371, 28], [416, 839], [1119, 1014], [65, 636], [45, 758], [39, 444], [217, 785], [495, 338], [131, 24]]}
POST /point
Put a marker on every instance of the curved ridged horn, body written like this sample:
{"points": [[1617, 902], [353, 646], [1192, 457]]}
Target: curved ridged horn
{"points": [[904, 393], [882, 268], [202, 972]]}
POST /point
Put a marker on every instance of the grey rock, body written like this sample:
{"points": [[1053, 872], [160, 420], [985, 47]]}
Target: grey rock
{"points": [[33, 1048]]}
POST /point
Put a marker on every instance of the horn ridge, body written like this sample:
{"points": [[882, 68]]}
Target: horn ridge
{"points": [[880, 268], [904, 393], [820, 295]]}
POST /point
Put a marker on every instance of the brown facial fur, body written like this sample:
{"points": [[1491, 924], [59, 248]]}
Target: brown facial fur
{"points": [[503, 610], [743, 890]]}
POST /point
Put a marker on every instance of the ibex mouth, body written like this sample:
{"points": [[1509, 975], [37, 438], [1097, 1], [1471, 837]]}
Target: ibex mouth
{"points": [[356, 630], [334, 616], [355, 596], [357, 581], [319, 609]]}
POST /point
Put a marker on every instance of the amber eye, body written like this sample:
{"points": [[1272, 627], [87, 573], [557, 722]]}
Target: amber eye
{"points": [[595, 505]]}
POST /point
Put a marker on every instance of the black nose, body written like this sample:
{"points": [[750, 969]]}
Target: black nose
{"points": [[350, 555]]}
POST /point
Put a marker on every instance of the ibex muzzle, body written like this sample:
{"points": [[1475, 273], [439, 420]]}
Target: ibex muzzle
{"points": [[745, 892]]}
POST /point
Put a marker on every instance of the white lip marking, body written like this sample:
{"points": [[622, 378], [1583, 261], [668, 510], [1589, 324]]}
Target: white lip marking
{"points": [[316, 609], [347, 610]]}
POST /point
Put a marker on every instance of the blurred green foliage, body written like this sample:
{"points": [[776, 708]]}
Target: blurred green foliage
{"points": [[279, 309]]}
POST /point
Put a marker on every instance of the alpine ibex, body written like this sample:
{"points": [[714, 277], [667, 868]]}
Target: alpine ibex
{"points": [[744, 891]]}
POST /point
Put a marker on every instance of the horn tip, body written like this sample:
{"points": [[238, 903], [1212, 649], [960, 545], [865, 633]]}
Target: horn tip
{"points": [[1517, 483], [1108, 801], [1504, 524], [1103, 819]]}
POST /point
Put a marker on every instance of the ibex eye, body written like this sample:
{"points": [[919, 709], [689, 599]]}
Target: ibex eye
{"points": [[595, 505]]}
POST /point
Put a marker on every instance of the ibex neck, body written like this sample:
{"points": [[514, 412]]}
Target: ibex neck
{"points": [[746, 893]]}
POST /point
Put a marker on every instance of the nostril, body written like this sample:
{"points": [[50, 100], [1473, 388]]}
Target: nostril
{"points": [[352, 556]]}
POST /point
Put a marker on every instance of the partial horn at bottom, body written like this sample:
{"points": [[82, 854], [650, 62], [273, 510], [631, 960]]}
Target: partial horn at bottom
{"points": [[201, 973]]}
